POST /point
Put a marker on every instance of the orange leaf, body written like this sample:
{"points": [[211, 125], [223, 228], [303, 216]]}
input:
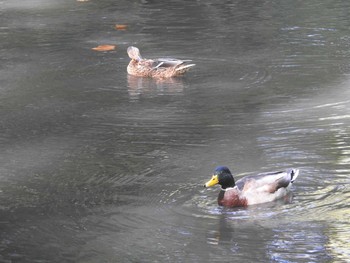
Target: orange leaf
{"points": [[120, 27], [104, 48]]}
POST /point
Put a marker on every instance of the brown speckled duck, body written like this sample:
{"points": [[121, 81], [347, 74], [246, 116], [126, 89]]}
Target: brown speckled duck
{"points": [[251, 190], [155, 68]]}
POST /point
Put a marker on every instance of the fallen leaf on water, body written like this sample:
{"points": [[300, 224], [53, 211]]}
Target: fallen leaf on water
{"points": [[120, 27], [83, 0], [104, 48]]}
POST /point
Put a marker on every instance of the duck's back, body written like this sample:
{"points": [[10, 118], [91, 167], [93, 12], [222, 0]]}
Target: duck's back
{"points": [[270, 182]]}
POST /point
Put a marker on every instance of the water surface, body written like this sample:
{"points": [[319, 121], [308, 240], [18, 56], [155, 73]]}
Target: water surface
{"points": [[99, 166]]}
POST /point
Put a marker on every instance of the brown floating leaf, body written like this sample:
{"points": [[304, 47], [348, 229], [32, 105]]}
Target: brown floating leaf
{"points": [[120, 27], [104, 48]]}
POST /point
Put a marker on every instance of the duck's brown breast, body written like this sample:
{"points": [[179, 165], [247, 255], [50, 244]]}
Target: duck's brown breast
{"points": [[231, 198]]}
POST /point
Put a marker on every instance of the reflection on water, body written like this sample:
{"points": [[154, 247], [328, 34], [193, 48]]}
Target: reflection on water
{"points": [[311, 236], [99, 166], [147, 87]]}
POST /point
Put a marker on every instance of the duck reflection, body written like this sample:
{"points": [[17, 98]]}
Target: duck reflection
{"points": [[148, 87], [236, 229], [223, 234]]}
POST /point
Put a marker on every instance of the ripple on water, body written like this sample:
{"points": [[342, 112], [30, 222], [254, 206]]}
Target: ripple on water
{"points": [[299, 242], [256, 77], [241, 74], [186, 215], [338, 239]]}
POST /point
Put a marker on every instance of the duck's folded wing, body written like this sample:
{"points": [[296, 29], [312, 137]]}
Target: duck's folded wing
{"points": [[168, 62], [270, 182]]}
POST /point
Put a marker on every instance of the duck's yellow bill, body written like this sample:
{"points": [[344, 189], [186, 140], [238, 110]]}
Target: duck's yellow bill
{"points": [[213, 181]]}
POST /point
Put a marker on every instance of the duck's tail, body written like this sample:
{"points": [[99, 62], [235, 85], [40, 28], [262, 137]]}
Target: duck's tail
{"points": [[293, 174], [184, 68]]}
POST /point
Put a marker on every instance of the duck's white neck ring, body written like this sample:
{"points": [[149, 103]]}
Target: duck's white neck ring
{"points": [[227, 189]]}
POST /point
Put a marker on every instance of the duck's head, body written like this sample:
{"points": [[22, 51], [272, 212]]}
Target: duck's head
{"points": [[134, 53], [222, 176]]}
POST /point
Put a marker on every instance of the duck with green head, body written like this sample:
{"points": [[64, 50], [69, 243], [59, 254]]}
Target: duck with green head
{"points": [[251, 190]]}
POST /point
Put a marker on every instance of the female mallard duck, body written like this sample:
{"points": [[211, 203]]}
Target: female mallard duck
{"points": [[155, 68], [254, 189]]}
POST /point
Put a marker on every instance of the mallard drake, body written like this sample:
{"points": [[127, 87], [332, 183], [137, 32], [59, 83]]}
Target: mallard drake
{"points": [[254, 189], [155, 68]]}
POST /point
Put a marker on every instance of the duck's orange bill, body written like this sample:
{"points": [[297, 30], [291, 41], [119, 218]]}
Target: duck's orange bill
{"points": [[213, 181]]}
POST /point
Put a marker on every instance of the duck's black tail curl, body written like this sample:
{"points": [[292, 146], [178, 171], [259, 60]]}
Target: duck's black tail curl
{"points": [[293, 174]]}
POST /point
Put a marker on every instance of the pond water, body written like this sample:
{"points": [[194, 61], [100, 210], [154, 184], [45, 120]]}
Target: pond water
{"points": [[99, 166]]}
